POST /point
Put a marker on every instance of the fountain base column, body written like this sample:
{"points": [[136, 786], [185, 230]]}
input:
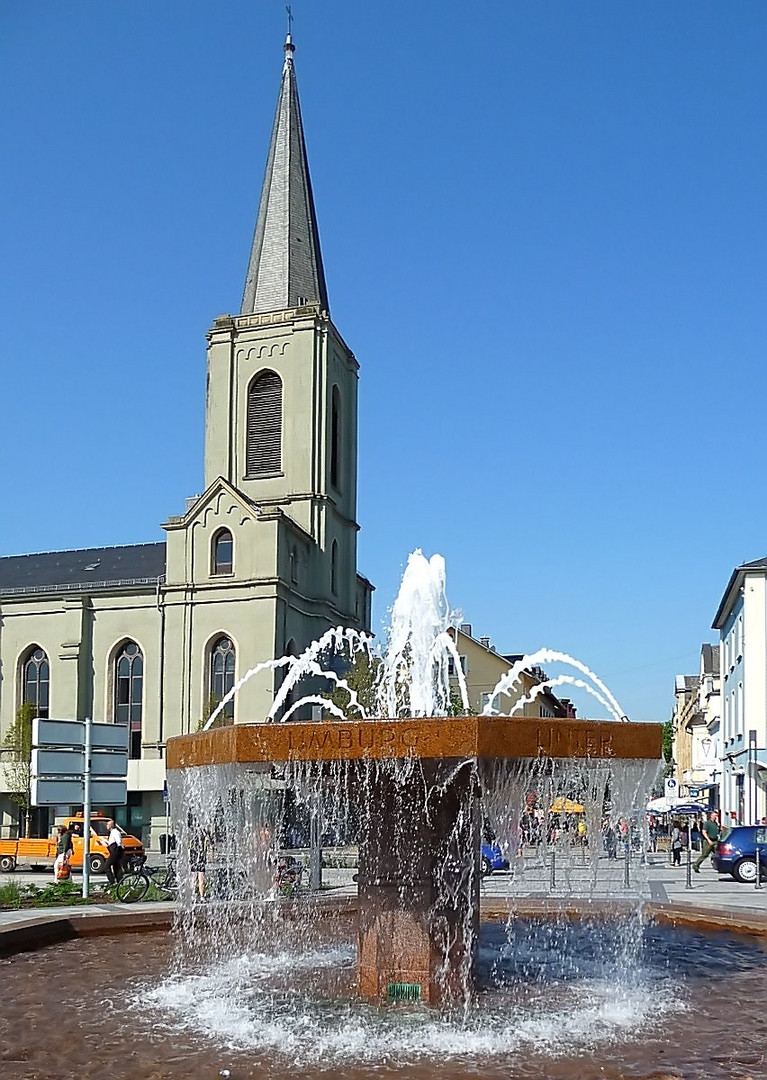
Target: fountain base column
{"points": [[418, 882]]}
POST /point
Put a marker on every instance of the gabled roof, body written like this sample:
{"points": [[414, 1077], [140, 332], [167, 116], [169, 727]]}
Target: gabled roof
{"points": [[285, 269], [733, 585], [709, 657], [86, 570], [196, 507]]}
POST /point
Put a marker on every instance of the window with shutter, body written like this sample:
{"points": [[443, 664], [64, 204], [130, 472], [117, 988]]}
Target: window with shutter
{"points": [[264, 438]]}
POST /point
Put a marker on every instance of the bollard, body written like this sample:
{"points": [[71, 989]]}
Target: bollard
{"points": [[758, 879], [552, 881], [626, 871]]}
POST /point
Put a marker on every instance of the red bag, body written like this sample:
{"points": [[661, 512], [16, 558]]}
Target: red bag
{"points": [[64, 872]]}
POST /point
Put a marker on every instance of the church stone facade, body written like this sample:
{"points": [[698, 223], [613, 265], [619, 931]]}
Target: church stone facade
{"points": [[259, 565]]}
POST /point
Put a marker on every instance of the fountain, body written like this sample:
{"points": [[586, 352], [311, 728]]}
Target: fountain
{"points": [[556, 979], [420, 783]]}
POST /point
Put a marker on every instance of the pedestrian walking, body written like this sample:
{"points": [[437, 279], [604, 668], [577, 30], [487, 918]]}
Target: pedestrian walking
{"points": [[677, 843], [200, 842], [114, 864], [64, 851], [708, 839], [625, 836], [611, 840]]}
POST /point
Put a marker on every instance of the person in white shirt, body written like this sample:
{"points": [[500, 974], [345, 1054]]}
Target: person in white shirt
{"points": [[114, 866]]}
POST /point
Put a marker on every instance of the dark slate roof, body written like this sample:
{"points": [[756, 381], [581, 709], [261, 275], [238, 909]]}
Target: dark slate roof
{"points": [[710, 656], [285, 269], [85, 570], [730, 593]]}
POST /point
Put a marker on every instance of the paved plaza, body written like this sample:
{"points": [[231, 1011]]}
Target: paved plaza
{"points": [[653, 882]]}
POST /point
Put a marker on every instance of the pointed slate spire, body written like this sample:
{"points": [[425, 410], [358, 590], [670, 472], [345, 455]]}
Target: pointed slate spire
{"points": [[285, 267]]}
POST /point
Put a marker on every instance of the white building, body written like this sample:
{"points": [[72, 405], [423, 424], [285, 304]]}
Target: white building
{"points": [[697, 721], [741, 620]]}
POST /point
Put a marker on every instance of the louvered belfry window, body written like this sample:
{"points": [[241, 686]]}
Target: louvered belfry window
{"points": [[264, 448]]}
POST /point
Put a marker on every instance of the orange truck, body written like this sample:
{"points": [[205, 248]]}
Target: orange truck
{"points": [[40, 850]]}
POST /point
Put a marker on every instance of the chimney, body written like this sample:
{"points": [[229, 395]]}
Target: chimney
{"points": [[485, 642]]}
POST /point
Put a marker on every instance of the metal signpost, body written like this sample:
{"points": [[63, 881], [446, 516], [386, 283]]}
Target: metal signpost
{"points": [[77, 761], [166, 800]]}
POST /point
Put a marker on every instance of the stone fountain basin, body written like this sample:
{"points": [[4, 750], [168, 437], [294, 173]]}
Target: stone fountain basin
{"points": [[418, 893], [422, 737]]}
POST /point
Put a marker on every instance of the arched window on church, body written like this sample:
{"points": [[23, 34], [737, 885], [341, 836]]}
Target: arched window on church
{"points": [[223, 552], [129, 694], [334, 568], [222, 661], [264, 430], [36, 677], [335, 438]]}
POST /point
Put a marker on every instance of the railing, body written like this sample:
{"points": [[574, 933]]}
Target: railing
{"points": [[81, 586]]}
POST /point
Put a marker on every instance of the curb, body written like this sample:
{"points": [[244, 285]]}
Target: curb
{"points": [[35, 929], [41, 928]]}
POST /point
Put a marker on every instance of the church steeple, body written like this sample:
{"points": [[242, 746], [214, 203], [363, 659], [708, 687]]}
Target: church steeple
{"points": [[285, 269]]}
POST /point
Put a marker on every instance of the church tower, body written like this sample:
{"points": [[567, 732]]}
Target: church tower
{"points": [[274, 536]]}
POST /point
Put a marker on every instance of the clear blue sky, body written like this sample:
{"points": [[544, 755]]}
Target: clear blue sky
{"points": [[545, 239]]}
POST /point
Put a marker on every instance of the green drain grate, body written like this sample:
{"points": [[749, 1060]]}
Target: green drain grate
{"points": [[403, 992]]}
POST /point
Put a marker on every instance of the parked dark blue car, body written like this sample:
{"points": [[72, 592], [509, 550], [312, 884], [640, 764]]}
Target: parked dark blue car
{"points": [[492, 859], [735, 853]]}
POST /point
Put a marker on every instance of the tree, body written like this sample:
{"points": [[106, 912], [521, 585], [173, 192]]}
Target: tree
{"points": [[668, 740], [223, 719], [361, 677], [456, 707], [17, 752]]}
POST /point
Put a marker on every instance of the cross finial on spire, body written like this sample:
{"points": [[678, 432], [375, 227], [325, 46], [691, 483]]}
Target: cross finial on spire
{"points": [[289, 46]]}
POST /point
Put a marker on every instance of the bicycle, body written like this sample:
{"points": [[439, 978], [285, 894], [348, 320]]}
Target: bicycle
{"points": [[134, 886], [288, 878]]}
